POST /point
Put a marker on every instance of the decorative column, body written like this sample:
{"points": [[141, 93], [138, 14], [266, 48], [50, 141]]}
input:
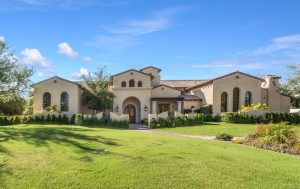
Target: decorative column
{"points": [[179, 106], [154, 107]]}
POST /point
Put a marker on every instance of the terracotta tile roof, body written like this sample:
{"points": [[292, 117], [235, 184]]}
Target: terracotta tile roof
{"points": [[182, 83], [210, 81]]}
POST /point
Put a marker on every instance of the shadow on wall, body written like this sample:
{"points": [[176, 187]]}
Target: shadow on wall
{"points": [[42, 136]]}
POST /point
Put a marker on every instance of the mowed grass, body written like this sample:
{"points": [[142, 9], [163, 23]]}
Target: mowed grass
{"points": [[214, 128], [63, 157]]}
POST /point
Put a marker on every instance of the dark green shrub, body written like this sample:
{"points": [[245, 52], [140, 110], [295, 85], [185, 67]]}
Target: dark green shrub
{"points": [[73, 118], [206, 109], [153, 123], [65, 119], [224, 137], [217, 118], [16, 120], [145, 121]]}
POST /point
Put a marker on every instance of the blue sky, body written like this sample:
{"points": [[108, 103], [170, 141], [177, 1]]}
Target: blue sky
{"points": [[187, 39]]}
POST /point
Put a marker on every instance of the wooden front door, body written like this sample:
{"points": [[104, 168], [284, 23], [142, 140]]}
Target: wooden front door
{"points": [[130, 109]]}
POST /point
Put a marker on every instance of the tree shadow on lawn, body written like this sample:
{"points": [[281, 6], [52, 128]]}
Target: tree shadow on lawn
{"points": [[4, 170], [42, 136]]}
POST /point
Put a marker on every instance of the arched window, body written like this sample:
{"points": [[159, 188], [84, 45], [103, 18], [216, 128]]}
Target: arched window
{"points": [[64, 102], [123, 84], [131, 83], [140, 84], [46, 100], [224, 102], [236, 99], [248, 98]]}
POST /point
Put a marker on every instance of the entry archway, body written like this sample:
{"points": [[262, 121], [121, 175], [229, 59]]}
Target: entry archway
{"points": [[132, 107]]}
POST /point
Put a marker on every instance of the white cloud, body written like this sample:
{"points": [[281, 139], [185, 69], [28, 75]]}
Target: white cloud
{"points": [[82, 72], [64, 48], [33, 57], [86, 58], [280, 43], [126, 34], [40, 74], [1, 38], [159, 21], [274, 57]]}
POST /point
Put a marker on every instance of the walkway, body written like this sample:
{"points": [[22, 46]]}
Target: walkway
{"points": [[206, 137]]}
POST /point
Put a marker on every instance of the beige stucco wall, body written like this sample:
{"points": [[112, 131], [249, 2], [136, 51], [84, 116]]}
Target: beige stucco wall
{"points": [[189, 103], [55, 89], [228, 83], [275, 100], [205, 93], [127, 76], [142, 94], [164, 92], [284, 103], [154, 72]]}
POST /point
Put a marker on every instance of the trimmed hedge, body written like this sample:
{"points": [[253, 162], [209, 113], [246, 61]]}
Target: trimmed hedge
{"points": [[62, 119], [291, 118], [195, 119]]}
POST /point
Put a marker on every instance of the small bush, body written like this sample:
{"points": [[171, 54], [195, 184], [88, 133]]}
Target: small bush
{"points": [[224, 137], [257, 106], [276, 137]]}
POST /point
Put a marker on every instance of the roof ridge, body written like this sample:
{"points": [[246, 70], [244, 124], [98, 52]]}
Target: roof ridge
{"points": [[184, 79]]}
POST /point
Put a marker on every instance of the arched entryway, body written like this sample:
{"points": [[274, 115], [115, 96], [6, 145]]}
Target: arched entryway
{"points": [[132, 107]]}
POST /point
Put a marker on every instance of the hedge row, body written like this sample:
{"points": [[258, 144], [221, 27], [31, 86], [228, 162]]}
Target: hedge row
{"points": [[195, 119], [62, 119], [85, 120], [291, 118]]}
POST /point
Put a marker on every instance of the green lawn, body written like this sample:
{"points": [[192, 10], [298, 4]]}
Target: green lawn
{"points": [[63, 157], [214, 128]]}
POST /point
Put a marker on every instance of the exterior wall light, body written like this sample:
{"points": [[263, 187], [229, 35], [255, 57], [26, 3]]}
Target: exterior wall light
{"points": [[145, 108], [117, 108]]}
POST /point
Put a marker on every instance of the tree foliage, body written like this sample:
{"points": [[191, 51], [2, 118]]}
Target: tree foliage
{"points": [[97, 95], [14, 77], [12, 106], [292, 86]]}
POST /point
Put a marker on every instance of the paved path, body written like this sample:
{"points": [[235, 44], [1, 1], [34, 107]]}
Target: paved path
{"points": [[206, 137]]}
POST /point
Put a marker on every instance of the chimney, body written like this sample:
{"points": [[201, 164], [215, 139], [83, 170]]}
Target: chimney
{"points": [[271, 82]]}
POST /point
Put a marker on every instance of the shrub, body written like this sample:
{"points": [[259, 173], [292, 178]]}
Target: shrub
{"points": [[291, 118], [276, 137], [257, 106], [153, 123], [206, 109], [224, 137], [145, 121]]}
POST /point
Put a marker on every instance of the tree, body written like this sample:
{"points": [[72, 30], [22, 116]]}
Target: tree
{"points": [[292, 86], [12, 106], [97, 95], [29, 104], [14, 77]]}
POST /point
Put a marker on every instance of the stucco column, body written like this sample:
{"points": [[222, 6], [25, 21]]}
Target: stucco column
{"points": [[179, 107], [154, 107]]}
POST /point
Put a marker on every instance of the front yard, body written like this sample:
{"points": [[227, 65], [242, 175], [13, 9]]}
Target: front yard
{"points": [[214, 128], [52, 156]]}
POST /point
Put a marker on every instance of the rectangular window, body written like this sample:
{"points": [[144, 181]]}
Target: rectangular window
{"points": [[163, 108]]}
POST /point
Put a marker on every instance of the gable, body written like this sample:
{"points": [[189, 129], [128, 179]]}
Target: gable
{"points": [[165, 91], [131, 72], [132, 75], [238, 78], [55, 81]]}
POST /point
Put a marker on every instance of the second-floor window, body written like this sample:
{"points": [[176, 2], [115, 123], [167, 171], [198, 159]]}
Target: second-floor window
{"points": [[140, 84], [131, 83], [123, 84]]}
